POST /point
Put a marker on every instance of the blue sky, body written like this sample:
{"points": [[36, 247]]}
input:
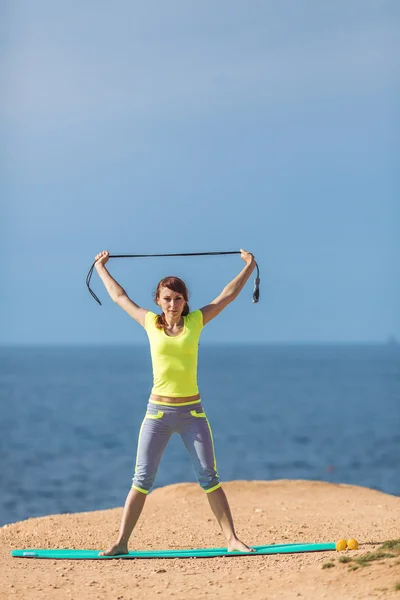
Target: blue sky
{"points": [[189, 127]]}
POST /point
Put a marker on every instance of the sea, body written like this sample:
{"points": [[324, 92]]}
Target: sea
{"points": [[70, 418]]}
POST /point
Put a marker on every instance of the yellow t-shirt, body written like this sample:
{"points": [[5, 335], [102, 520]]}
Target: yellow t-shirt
{"points": [[174, 359]]}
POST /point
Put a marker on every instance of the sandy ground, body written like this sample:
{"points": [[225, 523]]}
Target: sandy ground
{"points": [[178, 516]]}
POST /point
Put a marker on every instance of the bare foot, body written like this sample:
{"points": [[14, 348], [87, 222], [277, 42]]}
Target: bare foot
{"points": [[238, 546], [115, 549]]}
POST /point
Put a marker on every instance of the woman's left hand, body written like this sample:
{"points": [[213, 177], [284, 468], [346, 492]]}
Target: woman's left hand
{"points": [[246, 256]]}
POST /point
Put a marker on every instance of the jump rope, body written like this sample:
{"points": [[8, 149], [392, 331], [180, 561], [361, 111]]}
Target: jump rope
{"points": [[256, 288]]}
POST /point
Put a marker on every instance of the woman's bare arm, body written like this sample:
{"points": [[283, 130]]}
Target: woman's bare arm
{"points": [[116, 292], [231, 291]]}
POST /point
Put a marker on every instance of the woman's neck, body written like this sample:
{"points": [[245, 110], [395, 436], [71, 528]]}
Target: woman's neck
{"points": [[174, 322]]}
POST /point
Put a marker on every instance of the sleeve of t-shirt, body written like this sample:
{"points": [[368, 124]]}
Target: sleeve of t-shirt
{"points": [[196, 318], [149, 319]]}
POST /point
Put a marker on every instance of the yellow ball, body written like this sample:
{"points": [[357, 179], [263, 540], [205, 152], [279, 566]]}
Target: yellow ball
{"points": [[352, 544], [341, 545]]}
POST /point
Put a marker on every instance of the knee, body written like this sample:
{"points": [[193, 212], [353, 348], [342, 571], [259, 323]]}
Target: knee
{"points": [[143, 481], [208, 480]]}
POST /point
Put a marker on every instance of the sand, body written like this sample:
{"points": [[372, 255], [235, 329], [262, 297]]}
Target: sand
{"points": [[178, 516]]}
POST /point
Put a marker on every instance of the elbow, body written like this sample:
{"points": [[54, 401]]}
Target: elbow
{"points": [[230, 294], [226, 299], [117, 297]]}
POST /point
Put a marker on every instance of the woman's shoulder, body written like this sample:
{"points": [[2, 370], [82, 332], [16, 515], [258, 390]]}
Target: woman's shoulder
{"points": [[195, 317], [149, 318]]}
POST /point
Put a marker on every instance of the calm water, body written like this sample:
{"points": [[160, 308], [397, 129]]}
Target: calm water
{"points": [[70, 419]]}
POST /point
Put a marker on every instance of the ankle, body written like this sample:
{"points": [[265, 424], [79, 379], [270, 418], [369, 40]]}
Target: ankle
{"points": [[121, 541]]}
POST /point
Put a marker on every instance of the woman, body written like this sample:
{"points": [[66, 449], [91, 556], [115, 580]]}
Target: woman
{"points": [[174, 404]]}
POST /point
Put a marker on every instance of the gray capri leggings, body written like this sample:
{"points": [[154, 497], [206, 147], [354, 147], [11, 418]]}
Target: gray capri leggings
{"points": [[159, 423]]}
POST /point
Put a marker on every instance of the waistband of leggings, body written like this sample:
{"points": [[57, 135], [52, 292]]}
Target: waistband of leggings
{"points": [[181, 407]]}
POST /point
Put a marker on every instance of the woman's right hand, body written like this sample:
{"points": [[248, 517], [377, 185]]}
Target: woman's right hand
{"points": [[102, 258]]}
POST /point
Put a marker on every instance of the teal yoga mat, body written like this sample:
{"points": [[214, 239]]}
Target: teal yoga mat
{"points": [[197, 553]]}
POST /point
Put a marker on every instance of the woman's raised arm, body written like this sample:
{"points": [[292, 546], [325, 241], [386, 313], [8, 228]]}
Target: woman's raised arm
{"points": [[231, 291], [116, 292]]}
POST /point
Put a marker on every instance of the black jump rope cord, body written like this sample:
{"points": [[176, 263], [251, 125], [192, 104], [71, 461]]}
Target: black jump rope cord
{"points": [[256, 289]]}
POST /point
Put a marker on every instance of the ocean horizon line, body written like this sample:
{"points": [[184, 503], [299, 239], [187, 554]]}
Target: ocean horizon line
{"points": [[324, 343]]}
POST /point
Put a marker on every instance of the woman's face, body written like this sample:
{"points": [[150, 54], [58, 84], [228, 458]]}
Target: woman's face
{"points": [[171, 303]]}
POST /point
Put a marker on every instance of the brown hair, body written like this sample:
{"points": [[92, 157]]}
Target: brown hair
{"points": [[176, 285]]}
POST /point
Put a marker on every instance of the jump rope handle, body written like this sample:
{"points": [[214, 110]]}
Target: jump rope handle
{"points": [[256, 288]]}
